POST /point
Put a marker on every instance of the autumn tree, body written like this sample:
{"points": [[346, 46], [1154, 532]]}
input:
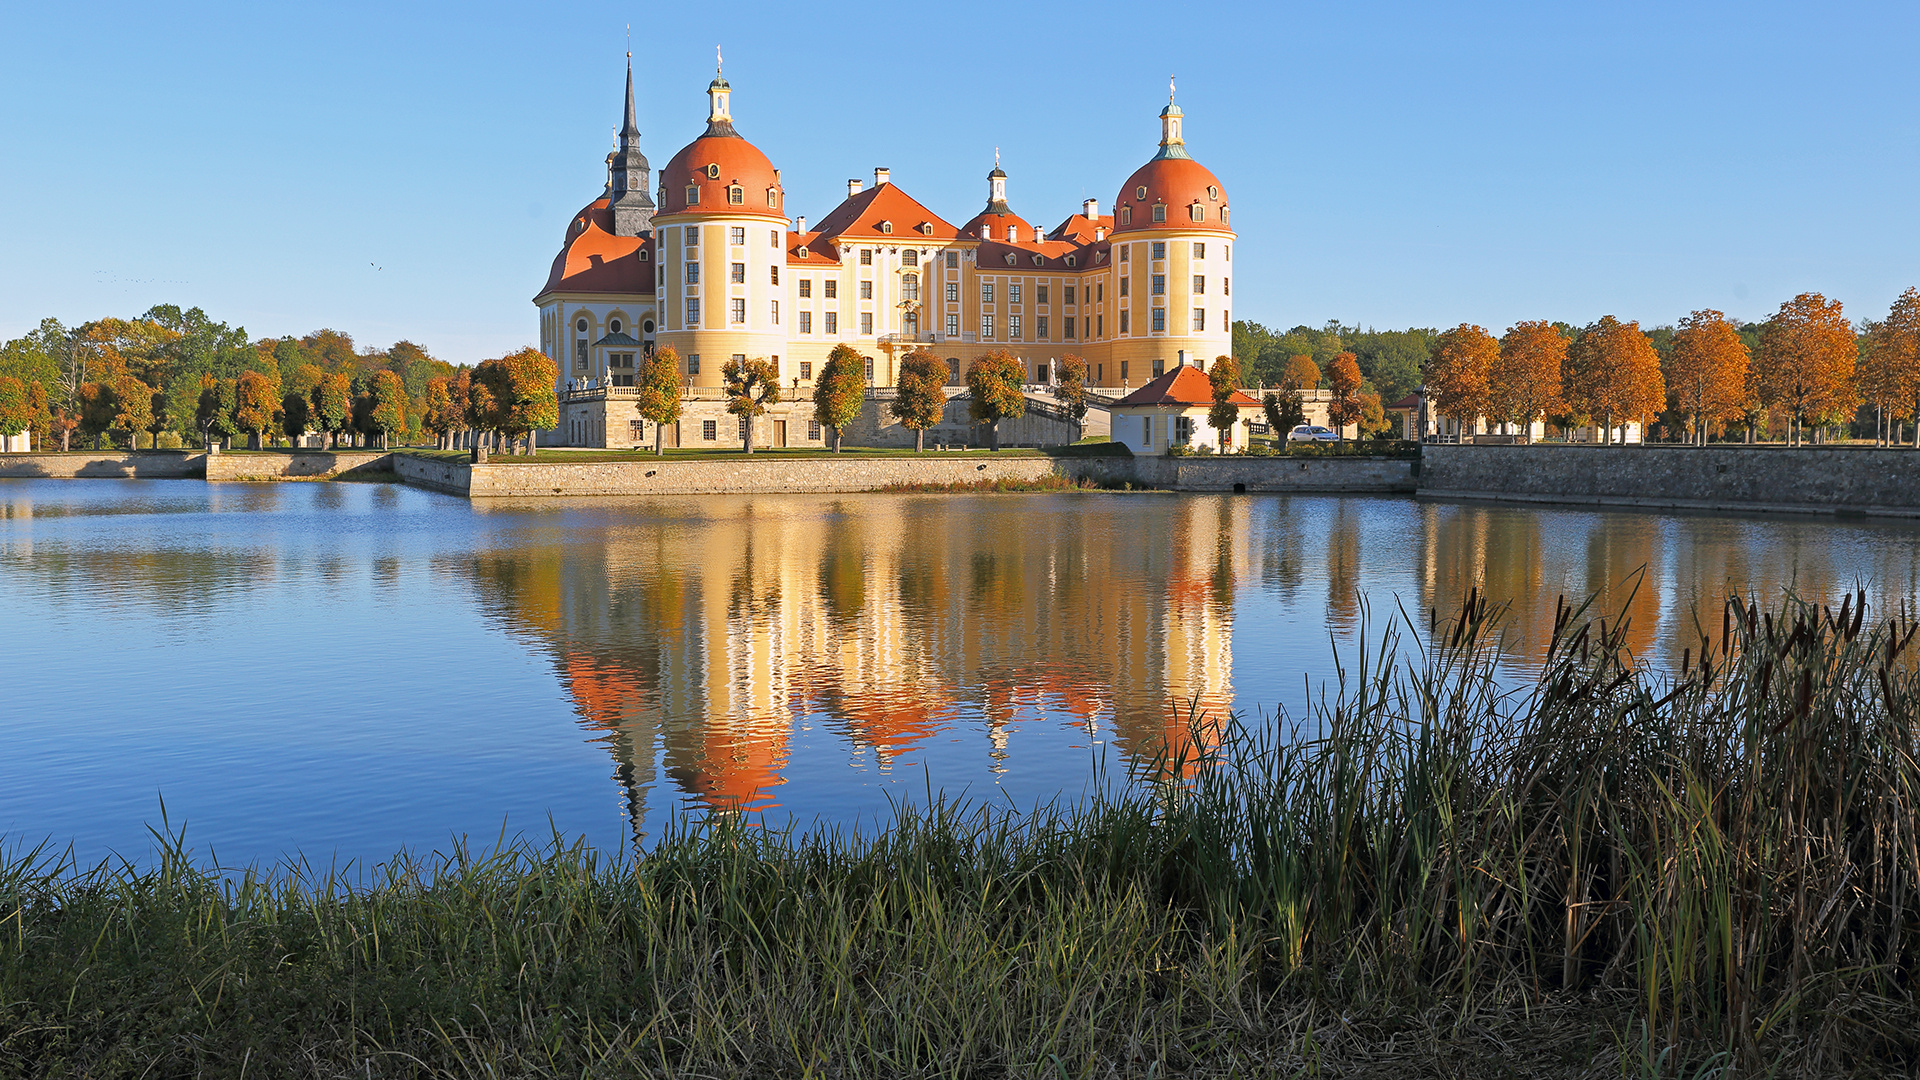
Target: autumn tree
{"points": [[659, 392], [1459, 373], [14, 413], [1071, 389], [459, 385], [1223, 379], [751, 386], [256, 400], [332, 401], [922, 398], [438, 415], [1890, 363], [1806, 360], [1301, 373], [387, 405], [97, 411], [1523, 380], [1706, 372], [1613, 373], [520, 392], [994, 383], [213, 412], [1372, 420], [40, 417], [1343, 380], [840, 390]]}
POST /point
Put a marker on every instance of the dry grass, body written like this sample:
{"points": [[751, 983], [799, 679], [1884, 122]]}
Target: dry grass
{"points": [[1604, 873]]}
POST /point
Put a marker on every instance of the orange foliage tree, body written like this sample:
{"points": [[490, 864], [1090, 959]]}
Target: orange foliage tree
{"points": [[1890, 363], [1524, 379], [256, 401], [1343, 379], [1613, 373], [1459, 367], [1806, 362], [1706, 371], [1301, 374]]}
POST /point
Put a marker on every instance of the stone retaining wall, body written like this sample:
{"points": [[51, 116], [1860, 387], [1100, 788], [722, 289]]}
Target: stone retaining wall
{"points": [[435, 474], [268, 465], [1846, 480], [1349, 475], [138, 465]]}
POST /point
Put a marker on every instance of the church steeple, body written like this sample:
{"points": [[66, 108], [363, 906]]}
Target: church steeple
{"points": [[1172, 143], [719, 102], [627, 175]]}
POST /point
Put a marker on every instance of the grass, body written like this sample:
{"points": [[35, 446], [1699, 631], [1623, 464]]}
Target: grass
{"points": [[1604, 872]]}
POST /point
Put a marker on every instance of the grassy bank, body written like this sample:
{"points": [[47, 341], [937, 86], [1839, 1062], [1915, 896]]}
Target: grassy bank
{"points": [[1607, 872]]}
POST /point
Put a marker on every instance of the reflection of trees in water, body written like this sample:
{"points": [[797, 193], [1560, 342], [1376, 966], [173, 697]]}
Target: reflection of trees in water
{"points": [[701, 637]]}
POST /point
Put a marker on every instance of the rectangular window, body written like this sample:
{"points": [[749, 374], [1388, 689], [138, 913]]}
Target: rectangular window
{"points": [[693, 236], [1159, 368], [693, 312], [806, 322], [1040, 294], [866, 323], [1013, 294], [742, 435], [806, 287], [737, 310], [1013, 327], [986, 292], [869, 369], [1146, 429], [1126, 250], [1068, 325], [693, 195], [637, 430], [709, 430], [738, 274], [832, 322], [1198, 212], [1124, 282], [1160, 213], [1159, 284], [1199, 319], [1099, 324], [580, 352], [773, 235], [986, 326], [1040, 327], [1226, 252], [774, 363], [813, 431], [1100, 292], [806, 369], [833, 288], [1226, 286], [776, 274], [866, 290], [1159, 249], [693, 273], [866, 256], [737, 235], [1199, 284], [693, 363], [953, 326], [1123, 371], [776, 313], [1199, 250], [1125, 322], [1069, 295], [953, 260], [953, 292], [1159, 320]]}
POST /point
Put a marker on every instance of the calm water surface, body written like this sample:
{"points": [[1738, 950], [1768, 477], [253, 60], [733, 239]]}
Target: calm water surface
{"points": [[342, 670]]}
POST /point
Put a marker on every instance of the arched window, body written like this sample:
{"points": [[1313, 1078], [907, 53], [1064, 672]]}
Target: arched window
{"points": [[1011, 258], [736, 195], [1199, 212], [773, 197], [909, 257], [1126, 215], [886, 227]]}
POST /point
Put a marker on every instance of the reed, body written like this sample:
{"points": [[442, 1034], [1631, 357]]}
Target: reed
{"points": [[1603, 872]]}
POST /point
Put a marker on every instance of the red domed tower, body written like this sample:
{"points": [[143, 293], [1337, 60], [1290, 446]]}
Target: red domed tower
{"points": [[1172, 259], [719, 229]]}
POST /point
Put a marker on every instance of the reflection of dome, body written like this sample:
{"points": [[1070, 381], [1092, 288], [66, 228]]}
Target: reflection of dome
{"points": [[593, 260], [713, 164]]}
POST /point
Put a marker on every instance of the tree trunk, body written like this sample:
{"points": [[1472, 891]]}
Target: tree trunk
{"points": [[659, 441], [919, 440], [836, 438]]}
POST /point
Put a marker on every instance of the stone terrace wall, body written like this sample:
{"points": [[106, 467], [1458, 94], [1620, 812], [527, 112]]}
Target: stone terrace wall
{"points": [[774, 474], [434, 474], [139, 465], [268, 465], [1803, 479], [1354, 475]]}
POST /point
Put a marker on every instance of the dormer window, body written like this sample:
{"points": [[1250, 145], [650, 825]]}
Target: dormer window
{"points": [[1073, 260], [645, 255], [1012, 258], [773, 197], [693, 195], [1159, 212], [1198, 212], [1099, 256], [1140, 192], [1213, 193], [803, 251], [1223, 214], [1039, 260], [1126, 215], [926, 228], [713, 172], [736, 195], [886, 227]]}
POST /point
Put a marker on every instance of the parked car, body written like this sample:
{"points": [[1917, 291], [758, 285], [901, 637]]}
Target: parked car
{"points": [[1312, 433]]}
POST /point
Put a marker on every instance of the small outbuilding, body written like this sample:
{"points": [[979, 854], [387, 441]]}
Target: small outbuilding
{"points": [[1172, 411]]}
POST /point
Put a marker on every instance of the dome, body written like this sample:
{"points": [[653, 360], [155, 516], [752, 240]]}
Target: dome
{"points": [[715, 164], [593, 259], [1179, 185]]}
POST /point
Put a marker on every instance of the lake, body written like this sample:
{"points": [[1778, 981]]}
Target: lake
{"points": [[340, 670]]}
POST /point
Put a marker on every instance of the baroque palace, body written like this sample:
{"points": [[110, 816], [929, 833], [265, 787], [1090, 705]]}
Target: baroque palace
{"points": [[710, 264]]}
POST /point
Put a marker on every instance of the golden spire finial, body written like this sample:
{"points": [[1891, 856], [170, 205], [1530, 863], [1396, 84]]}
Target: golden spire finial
{"points": [[1169, 89], [716, 60]]}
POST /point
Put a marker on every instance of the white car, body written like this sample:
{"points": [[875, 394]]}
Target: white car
{"points": [[1311, 433]]}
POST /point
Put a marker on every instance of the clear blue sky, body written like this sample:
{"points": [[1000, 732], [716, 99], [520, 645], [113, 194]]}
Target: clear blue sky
{"points": [[1389, 164]]}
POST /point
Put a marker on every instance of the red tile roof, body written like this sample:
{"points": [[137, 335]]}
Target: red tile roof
{"points": [[1184, 385], [820, 250], [860, 216], [593, 260]]}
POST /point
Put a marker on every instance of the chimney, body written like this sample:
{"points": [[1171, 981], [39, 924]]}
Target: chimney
{"points": [[800, 224], [853, 188], [1038, 236], [881, 175], [1099, 233], [1091, 208], [986, 231], [1183, 358]]}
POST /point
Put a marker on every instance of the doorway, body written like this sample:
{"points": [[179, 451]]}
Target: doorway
{"points": [[779, 433]]}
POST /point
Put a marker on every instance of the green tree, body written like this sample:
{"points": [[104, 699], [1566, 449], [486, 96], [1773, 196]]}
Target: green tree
{"points": [[840, 391], [1224, 380], [15, 414], [295, 416], [751, 386], [213, 409], [40, 418], [255, 403], [659, 393], [1071, 389], [387, 406], [96, 411], [994, 382], [332, 401], [1285, 411]]}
